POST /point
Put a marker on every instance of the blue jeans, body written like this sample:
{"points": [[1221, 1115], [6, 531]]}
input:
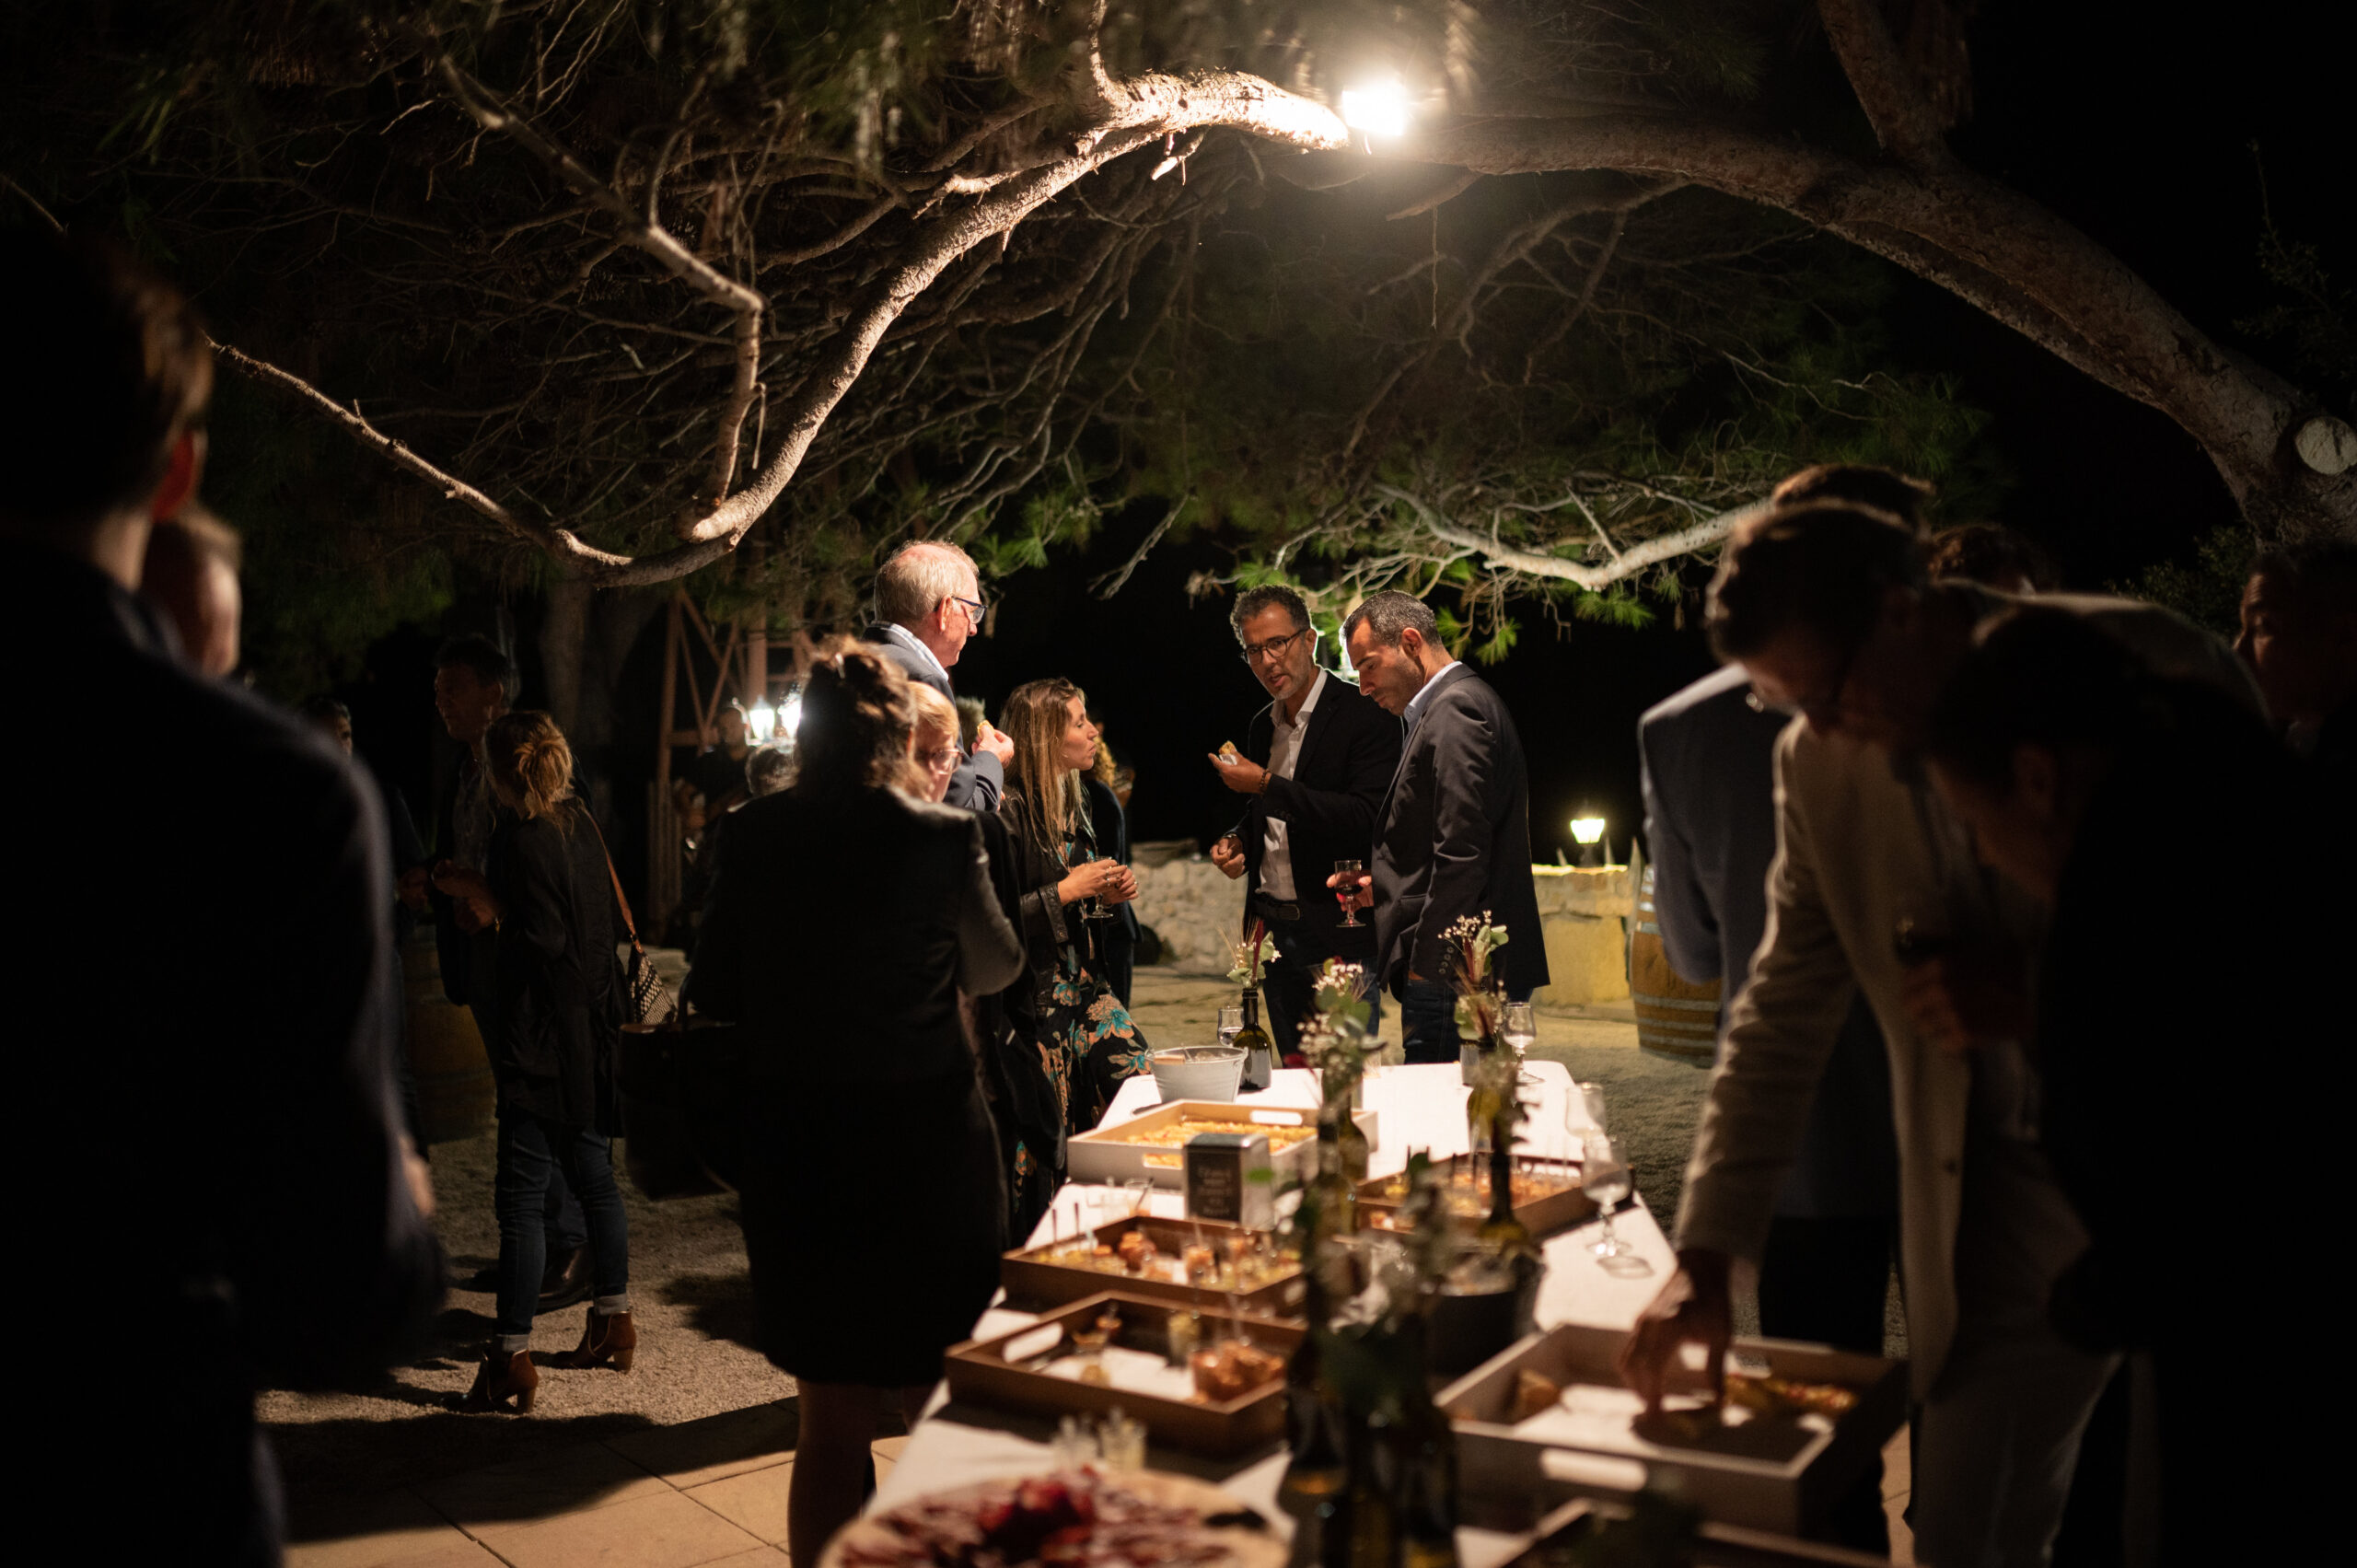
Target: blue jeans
{"points": [[1428, 1018], [1288, 987], [566, 1230], [531, 1151]]}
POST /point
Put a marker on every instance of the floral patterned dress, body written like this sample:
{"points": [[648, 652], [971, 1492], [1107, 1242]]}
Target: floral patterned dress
{"points": [[1087, 1039]]}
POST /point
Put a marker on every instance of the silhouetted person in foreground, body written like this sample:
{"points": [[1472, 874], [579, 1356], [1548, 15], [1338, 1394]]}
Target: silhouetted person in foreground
{"points": [[205, 1153], [2071, 766]]}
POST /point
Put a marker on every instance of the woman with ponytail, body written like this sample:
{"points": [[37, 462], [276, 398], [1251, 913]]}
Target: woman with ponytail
{"points": [[548, 895], [1091, 1042], [850, 931]]}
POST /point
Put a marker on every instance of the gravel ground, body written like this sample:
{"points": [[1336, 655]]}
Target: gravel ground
{"points": [[694, 1302]]}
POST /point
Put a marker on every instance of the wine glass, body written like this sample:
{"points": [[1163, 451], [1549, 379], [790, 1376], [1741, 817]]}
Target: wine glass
{"points": [[1591, 1095], [1347, 892], [1606, 1179], [1231, 1023], [1520, 1030]]}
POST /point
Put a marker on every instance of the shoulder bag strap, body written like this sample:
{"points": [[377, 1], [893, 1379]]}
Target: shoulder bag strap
{"points": [[630, 925]]}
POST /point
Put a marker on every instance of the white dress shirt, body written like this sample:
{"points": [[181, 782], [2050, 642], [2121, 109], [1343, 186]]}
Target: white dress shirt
{"points": [[909, 639], [1415, 708], [1284, 751]]}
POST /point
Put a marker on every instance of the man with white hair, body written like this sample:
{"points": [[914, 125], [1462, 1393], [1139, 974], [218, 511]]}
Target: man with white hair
{"points": [[928, 601]]}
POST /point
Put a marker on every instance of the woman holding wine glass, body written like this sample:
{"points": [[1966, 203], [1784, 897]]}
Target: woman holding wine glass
{"points": [[1067, 890]]}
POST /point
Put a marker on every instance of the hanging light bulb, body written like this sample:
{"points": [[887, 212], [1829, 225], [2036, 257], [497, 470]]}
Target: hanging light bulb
{"points": [[1377, 108], [762, 720], [789, 724]]}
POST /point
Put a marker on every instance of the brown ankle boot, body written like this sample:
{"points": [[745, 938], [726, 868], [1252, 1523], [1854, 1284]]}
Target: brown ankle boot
{"points": [[609, 1338], [504, 1376]]}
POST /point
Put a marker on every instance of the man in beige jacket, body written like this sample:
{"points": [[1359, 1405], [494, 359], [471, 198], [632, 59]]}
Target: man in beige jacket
{"points": [[1876, 889]]}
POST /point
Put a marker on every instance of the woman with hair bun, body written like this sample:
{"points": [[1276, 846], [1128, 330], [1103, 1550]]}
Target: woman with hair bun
{"points": [[850, 931], [550, 895]]}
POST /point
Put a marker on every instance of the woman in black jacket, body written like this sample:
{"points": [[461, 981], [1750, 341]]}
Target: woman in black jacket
{"points": [[549, 893], [851, 929]]}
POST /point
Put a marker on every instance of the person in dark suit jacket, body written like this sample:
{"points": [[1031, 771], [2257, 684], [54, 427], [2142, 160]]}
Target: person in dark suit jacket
{"points": [[1707, 765], [1316, 800], [205, 1154], [1452, 836], [928, 603]]}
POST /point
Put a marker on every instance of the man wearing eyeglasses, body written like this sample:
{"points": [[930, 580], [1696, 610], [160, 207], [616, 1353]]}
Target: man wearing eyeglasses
{"points": [[928, 602], [1876, 889], [1315, 764]]}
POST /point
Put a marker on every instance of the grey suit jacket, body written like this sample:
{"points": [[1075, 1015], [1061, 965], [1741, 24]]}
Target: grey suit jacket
{"points": [[1453, 838], [979, 780], [1709, 775], [1861, 843]]}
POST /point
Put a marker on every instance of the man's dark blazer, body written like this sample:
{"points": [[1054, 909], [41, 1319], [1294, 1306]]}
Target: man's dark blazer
{"points": [[1708, 774], [1348, 752], [980, 780], [1455, 840]]}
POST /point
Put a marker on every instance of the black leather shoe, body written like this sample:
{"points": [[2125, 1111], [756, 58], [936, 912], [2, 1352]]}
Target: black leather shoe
{"points": [[566, 1281]]}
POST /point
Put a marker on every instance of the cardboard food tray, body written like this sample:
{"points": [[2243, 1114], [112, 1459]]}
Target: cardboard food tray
{"points": [[1108, 1153], [1540, 1217], [1034, 1281], [1779, 1473], [981, 1373]]}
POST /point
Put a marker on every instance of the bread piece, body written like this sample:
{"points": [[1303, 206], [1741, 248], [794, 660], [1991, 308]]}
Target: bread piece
{"points": [[1534, 1393], [1228, 753]]}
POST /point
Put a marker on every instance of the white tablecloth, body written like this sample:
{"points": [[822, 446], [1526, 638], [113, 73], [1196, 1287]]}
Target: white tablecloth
{"points": [[1416, 1108]]}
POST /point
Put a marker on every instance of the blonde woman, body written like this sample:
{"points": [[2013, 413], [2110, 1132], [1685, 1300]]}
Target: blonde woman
{"points": [[1090, 1041], [549, 896]]}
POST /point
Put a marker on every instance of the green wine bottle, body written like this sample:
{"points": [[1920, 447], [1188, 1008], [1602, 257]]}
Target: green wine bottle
{"points": [[1259, 1052]]}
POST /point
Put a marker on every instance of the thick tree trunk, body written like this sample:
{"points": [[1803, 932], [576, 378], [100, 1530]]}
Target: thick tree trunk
{"points": [[1994, 247]]}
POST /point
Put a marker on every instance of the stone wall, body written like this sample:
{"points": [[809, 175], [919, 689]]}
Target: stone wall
{"points": [[1194, 908], [1196, 912], [1586, 918]]}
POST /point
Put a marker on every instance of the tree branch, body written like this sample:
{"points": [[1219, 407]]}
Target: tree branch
{"points": [[641, 229], [1887, 90], [1627, 563], [1998, 249]]}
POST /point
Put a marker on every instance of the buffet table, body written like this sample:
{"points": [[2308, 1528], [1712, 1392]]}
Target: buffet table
{"points": [[1418, 1107]]}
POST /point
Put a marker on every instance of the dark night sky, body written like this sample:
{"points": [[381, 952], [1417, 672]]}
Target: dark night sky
{"points": [[2135, 130]]}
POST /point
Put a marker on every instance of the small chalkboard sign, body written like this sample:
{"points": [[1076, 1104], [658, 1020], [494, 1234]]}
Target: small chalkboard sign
{"points": [[1229, 1178]]}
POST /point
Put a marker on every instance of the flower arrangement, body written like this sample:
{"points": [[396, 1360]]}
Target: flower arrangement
{"points": [[1336, 1043], [1251, 953], [1480, 989]]}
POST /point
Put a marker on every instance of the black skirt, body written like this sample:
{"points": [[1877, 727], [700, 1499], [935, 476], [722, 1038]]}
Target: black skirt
{"points": [[875, 1216]]}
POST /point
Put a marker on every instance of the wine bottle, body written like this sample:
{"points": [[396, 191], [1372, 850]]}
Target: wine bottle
{"points": [[1260, 1053], [1427, 1522], [1352, 1138], [1503, 1232], [1375, 1451]]}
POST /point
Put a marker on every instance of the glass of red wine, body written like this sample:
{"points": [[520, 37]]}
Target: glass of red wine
{"points": [[1346, 891]]}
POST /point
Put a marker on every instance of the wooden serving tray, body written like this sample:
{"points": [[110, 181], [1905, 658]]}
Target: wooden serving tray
{"points": [[1035, 1279], [1541, 1215], [981, 1372], [1112, 1154], [1781, 1473]]}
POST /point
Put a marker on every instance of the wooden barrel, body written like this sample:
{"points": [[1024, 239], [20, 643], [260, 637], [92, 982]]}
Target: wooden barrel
{"points": [[455, 1095], [1676, 1018]]}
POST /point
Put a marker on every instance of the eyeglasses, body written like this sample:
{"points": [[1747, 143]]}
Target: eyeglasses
{"points": [[1273, 648], [1812, 708], [975, 609], [944, 760]]}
